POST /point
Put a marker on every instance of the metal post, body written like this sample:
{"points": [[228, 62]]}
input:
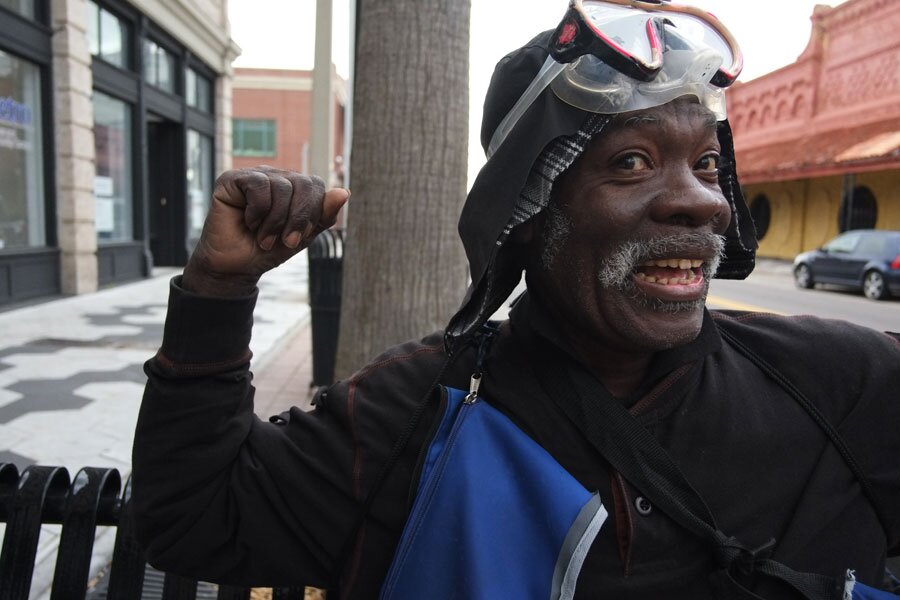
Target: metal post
{"points": [[322, 130]]}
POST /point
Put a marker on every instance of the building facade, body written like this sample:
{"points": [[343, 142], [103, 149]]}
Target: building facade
{"points": [[272, 120], [818, 142], [114, 116]]}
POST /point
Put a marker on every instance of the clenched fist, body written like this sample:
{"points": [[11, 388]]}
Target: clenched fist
{"points": [[258, 219]]}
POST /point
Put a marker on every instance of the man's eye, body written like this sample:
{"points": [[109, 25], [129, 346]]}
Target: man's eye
{"points": [[633, 162], [709, 163]]}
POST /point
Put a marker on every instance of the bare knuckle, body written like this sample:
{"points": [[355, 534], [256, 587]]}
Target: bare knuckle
{"points": [[318, 183], [280, 186]]}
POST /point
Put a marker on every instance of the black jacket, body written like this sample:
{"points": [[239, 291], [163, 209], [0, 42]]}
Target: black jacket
{"points": [[223, 496]]}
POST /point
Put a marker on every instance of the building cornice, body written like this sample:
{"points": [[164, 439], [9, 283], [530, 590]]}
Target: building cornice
{"points": [[262, 81], [849, 12]]}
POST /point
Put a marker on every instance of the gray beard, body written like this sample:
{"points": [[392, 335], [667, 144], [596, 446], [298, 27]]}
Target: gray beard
{"points": [[556, 230], [616, 270]]}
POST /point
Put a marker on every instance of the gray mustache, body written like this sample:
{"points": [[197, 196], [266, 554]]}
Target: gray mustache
{"points": [[616, 270]]}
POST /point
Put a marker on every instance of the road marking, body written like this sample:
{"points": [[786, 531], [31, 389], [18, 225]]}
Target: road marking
{"points": [[719, 302]]}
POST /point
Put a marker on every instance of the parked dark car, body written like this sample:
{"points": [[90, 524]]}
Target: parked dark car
{"points": [[865, 259]]}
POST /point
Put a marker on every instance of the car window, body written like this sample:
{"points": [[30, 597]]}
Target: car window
{"points": [[872, 245], [894, 245], [843, 244]]}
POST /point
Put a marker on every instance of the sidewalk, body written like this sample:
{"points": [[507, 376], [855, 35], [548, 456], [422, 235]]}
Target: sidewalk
{"points": [[71, 376]]}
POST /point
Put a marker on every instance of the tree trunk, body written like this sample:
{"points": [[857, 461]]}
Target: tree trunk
{"points": [[404, 266]]}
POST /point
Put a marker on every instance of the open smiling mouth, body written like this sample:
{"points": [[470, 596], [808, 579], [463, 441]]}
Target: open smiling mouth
{"points": [[671, 272]]}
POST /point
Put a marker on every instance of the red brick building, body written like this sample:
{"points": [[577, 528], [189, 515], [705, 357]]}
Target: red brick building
{"points": [[272, 119], [818, 141]]}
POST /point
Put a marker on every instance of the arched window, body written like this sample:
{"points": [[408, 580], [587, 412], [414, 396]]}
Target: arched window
{"points": [[798, 106], [761, 213], [859, 210], [782, 113]]}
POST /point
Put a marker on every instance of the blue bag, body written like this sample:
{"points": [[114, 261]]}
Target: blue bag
{"points": [[495, 515], [855, 590]]}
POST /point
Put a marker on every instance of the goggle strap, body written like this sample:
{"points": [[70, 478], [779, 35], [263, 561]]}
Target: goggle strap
{"points": [[549, 71]]}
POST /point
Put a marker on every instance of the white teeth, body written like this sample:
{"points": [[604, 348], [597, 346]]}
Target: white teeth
{"points": [[650, 279], [662, 281], [673, 263], [642, 276]]}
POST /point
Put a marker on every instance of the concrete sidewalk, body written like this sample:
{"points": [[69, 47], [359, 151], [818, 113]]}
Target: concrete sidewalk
{"points": [[71, 376]]}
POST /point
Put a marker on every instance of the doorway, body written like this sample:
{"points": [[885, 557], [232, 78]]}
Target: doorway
{"points": [[166, 192]]}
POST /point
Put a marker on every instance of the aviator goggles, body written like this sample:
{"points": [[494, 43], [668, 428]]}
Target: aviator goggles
{"points": [[613, 56]]}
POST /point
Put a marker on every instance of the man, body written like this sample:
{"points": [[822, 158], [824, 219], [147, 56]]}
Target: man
{"points": [[617, 439]]}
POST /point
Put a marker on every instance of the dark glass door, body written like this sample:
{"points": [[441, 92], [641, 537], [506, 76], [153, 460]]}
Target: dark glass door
{"points": [[166, 192]]}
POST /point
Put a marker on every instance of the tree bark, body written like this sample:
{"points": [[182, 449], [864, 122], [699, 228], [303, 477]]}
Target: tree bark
{"points": [[404, 266]]}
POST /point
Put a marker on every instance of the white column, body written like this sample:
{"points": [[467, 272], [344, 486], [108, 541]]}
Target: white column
{"points": [[75, 166]]}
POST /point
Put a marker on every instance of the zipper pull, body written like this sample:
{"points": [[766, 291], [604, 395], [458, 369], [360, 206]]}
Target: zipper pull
{"points": [[473, 389], [849, 584]]}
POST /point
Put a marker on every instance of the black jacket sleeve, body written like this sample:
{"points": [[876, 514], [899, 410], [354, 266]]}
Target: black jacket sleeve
{"points": [[221, 496]]}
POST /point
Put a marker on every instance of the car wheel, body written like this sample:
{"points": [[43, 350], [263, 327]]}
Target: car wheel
{"points": [[874, 286], [803, 277]]}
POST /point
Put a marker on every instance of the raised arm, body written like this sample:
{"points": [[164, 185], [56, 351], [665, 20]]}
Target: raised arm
{"points": [[218, 494]]}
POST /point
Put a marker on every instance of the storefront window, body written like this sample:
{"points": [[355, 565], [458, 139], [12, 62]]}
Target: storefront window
{"points": [[22, 222], [197, 90], [199, 180], [159, 66], [22, 7], [113, 181], [107, 36]]}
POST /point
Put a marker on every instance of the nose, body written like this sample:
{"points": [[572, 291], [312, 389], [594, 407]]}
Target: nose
{"points": [[687, 201]]}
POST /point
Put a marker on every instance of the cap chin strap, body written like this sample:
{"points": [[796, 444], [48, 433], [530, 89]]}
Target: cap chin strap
{"points": [[548, 72]]}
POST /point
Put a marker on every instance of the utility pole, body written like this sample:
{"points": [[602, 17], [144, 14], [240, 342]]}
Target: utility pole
{"points": [[322, 131]]}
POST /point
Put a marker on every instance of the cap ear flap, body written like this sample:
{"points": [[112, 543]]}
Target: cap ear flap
{"points": [[740, 237]]}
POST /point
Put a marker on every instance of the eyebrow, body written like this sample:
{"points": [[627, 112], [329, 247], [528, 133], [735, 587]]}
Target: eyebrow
{"points": [[637, 121], [640, 120]]}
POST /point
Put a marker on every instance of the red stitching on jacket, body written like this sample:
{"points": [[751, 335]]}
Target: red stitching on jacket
{"points": [[644, 403], [350, 580], [750, 316], [351, 408], [624, 520], [354, 381], [170, 364], [764, 315]]}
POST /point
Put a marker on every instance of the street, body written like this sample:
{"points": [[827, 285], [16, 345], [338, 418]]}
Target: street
{"points": [[773, 290]]}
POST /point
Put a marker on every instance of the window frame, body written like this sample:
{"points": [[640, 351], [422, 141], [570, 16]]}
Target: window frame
{"points": [[128, 43], [241, 151]]}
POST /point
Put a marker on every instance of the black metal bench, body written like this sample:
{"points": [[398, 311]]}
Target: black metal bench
{"points": [[94, 498]]}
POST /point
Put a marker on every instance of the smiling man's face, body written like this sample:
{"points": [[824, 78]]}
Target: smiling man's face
{"points": [[634, 232]]}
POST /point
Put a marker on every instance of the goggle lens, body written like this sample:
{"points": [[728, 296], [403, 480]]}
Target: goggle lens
{"points": [[627, 37], [631, 33], [700, 35], [624, 27]]}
